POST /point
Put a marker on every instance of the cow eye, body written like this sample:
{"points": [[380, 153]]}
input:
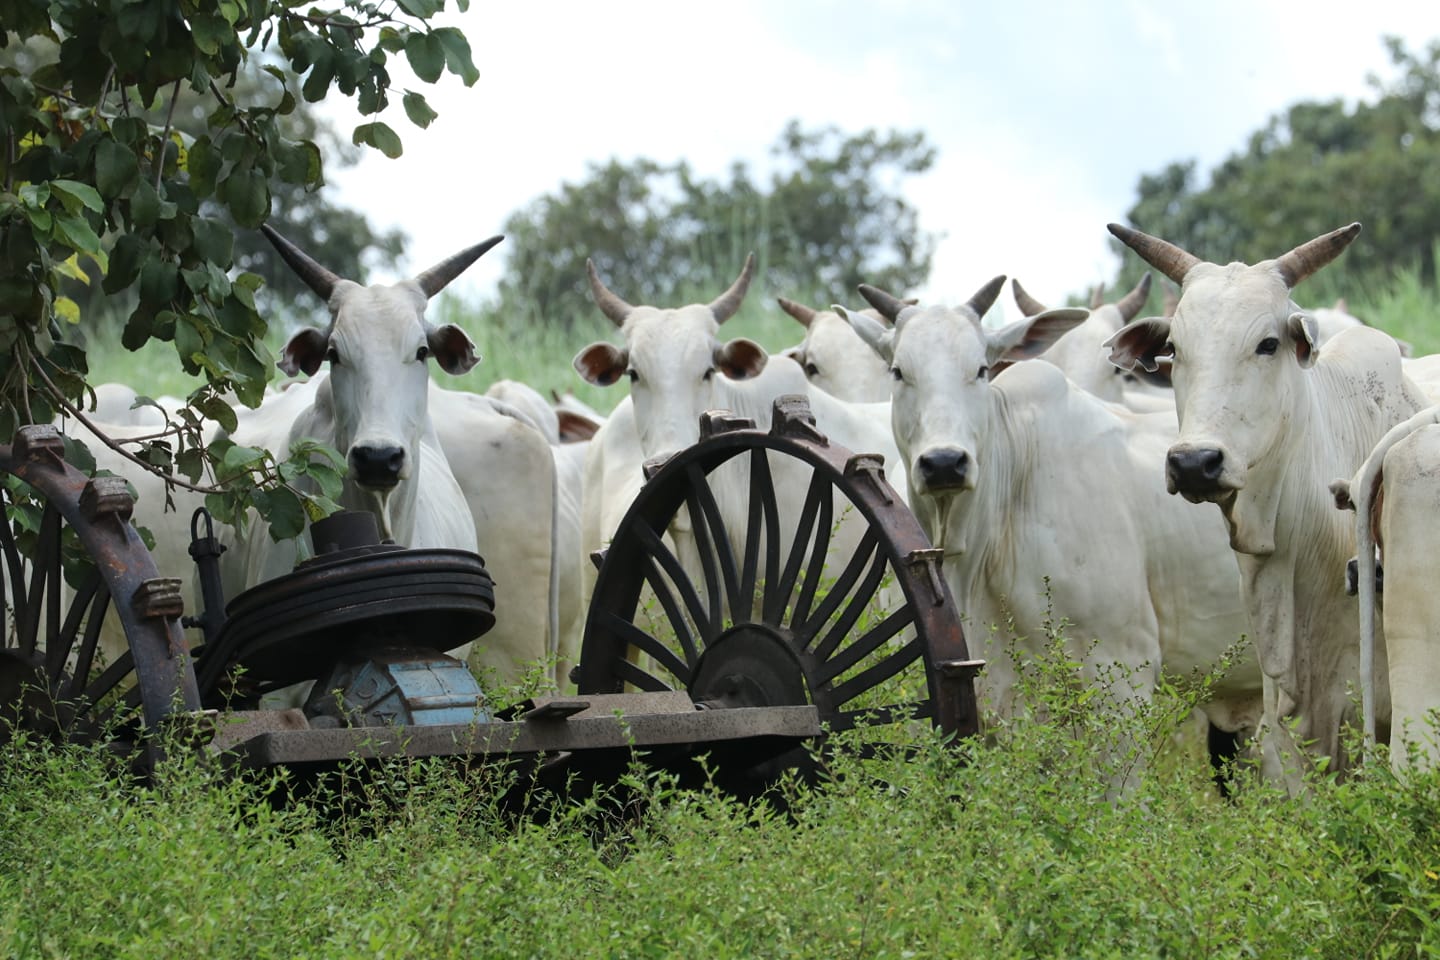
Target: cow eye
{"points": [[332, 355], [982, 373], [811, 370], [1268, 346], [896, 373], [422, 353], [633, 374], [708, 374]]}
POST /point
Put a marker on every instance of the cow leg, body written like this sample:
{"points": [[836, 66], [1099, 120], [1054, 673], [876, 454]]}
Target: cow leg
{"points": [[1224, 748]]}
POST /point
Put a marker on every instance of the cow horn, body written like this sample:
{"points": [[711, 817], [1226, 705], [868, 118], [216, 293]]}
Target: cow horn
{"points": [[435, 279], [1028, 305], [727, 303], [610, 305], [1097, 296], [1160, 254], [889, 306], [797, 310], [984, 298], [1314, 254], [316, 277], [1130, 304]]}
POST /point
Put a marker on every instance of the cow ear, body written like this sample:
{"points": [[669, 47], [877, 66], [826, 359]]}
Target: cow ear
{"points": [[575, 427], [740, 359], [1305, 331], [1141, 343], [452, 348], [1028, 338], [601, 363], [876, 333], [304, 351]]}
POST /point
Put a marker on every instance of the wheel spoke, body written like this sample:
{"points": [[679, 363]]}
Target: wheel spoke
{"points": [[866, 553], [47, 545], [653, 648], [711, 535], [59, 644], [778, 588], [86, 655], [660, 585], [861, 647], [764, 515], [890, 713], [875, 675], [633, 675], [665, 557], [14, 562]]}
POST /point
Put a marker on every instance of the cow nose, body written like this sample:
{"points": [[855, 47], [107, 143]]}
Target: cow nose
{"points": [[943, 469], [1194, 470], [377, 466]]}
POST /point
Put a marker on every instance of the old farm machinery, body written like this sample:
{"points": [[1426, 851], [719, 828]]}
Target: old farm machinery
{"points": [[742, 649]]}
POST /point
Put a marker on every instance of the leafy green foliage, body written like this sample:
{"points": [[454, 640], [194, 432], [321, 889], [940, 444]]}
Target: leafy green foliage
{"points": [[829, 217], [94, 163], [1315, 167]]}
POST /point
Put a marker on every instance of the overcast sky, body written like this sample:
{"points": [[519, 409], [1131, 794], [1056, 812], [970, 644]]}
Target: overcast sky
{"points": [[1044, 114]]}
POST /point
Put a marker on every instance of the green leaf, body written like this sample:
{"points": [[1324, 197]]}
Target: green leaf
{"points": [[239, 459], [212, 241], [125, 259], [159, 282], [115, 168], [144, 205], [317, 82], [424, 9], [218, 410], [210, 33], [75, 232], [427, 55], [457, 54], [380, 136], [74, 194], [203, 164], [285, 513], [248, 196], [190, 463], [418, 110]]}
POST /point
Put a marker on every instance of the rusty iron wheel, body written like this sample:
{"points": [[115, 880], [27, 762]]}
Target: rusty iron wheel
{"points": [[758, 620], [69, 557]]}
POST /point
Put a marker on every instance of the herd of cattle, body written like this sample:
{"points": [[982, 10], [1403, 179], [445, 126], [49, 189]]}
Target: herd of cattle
{"points": [[1047, 484]]}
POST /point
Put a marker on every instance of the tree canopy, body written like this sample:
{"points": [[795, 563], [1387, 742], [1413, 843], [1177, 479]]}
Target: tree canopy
{"points": [[1310, 169], [95, 169], [827, 216]]}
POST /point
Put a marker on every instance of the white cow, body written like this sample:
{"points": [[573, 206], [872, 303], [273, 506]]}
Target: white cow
{"points": [[834, 358], [1396, 497], [678, 368], [1085, 360], [1047, 504], [374, 407], [1266, 422]]}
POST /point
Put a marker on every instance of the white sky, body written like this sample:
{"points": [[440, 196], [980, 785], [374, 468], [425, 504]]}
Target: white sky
{"points": [[1044, 113]]}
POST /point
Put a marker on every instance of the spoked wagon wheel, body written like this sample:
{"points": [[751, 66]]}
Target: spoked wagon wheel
{"points": [[68, 557], [755, 617]]}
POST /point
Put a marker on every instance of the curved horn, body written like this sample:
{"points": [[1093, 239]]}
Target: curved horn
{"points": [[1028, 305], [316, 277], [727, 303], [1160, 254], [797, 310], [1314, 254], [610, 305], [1097, 296], [985, 297], [889, 306], [1130, 304], [435, 279]]}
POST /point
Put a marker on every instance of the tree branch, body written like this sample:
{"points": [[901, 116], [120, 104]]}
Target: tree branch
{"points": [[165, 134]]}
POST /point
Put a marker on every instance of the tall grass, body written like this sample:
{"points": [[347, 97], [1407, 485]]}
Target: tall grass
{"points": [[1007, 850]]}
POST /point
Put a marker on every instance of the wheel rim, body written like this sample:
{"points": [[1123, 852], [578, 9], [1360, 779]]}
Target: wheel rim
{"points": [[762, 621]]}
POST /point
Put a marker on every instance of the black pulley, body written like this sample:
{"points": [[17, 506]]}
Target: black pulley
{"points": [[356, 591]]}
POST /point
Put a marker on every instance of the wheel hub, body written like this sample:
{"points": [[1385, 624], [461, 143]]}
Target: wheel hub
{"points": [[749, 665]]}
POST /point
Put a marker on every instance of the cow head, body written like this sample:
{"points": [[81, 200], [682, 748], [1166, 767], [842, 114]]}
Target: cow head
{"points": [[833, 356], [671, 357], [1239, 349], [1081, 353], [378, 343], [941, 360]]}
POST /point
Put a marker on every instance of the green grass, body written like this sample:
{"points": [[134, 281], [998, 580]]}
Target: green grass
{"points": [[1006, 850]]}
